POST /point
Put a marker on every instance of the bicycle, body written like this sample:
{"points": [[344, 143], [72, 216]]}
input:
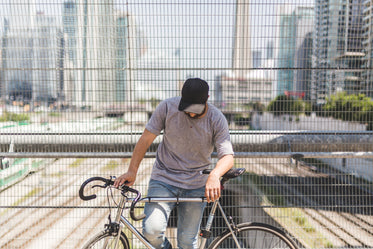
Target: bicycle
{"points": [[244, 235]]}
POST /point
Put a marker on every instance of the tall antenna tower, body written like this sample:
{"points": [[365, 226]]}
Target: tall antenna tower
{"points": [[242, 58]]}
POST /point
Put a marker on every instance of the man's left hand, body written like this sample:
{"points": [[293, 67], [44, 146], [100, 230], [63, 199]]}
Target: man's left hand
{"points": [[213, 188]]}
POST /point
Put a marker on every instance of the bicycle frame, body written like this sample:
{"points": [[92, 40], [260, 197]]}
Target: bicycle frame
{"points": [[120, 219]]}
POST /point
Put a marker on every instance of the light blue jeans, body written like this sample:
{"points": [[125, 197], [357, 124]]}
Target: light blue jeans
{"points": [[157, 214]]}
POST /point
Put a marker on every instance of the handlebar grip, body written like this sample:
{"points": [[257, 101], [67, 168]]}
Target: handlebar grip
{"points": [[134, 202], [90, 197], [136, 218]]}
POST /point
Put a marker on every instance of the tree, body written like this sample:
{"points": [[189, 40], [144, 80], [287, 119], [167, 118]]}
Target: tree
{"points": [[357, 108], [283, 104]]}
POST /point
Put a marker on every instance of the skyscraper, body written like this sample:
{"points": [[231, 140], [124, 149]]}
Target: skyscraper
{"points": [[17, 47], [70, 26], [127, 50], [257, 58], [367, 75], [20, 14], [33, 48], [294, 26], [121, 46], [3, 45], [90, 30], [303, 65], [337, 45], [242, 60], [243, 85], [46, 43], [304, 21], [102, 43], [286, 50]]}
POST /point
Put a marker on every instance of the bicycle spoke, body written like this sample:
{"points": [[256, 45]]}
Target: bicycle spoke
{"points": [[107, 241], [258, 237]]}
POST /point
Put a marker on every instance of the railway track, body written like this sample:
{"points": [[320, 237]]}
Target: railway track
{"points": [[29, 224], [336, 208], [16, 216], [86, 230], [341, 211], [56, 217]]}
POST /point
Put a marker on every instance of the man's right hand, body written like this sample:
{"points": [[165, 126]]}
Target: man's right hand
{"points": [[127, 179]]}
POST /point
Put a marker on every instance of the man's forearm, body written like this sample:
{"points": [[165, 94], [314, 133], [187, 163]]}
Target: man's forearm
{"points": [[223, 165], [140, 149]]}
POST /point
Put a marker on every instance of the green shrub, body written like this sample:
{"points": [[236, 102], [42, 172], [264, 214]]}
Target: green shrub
{"points": [[356, 108], [9, 116], [283, 104]]}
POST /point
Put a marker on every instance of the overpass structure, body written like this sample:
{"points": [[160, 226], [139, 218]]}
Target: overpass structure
{"points": [[276, 144]]}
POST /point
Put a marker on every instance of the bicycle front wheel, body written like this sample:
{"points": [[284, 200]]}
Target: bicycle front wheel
{"points": [[254, 235], [106, 240]]}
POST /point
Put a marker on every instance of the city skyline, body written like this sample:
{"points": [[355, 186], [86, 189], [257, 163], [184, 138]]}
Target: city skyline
{"points": [[197, 42], [217, 18]]}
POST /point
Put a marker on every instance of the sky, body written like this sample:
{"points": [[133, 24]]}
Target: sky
{"points": [[202, 33], [199, 33]]}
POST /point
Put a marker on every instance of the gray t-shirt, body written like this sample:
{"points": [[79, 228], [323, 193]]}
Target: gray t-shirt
{"points": [[187, 143]]}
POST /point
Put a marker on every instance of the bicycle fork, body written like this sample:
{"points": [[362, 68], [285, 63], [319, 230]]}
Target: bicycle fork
{"points": [[206, 233]]}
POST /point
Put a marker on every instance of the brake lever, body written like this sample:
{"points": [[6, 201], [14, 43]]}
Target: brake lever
{"points": [[107, 184], [100, 186]]}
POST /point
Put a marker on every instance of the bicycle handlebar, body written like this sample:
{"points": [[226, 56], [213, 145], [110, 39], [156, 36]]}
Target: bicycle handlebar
{"points": [[232, 173], [96, 178], [110, 182]]}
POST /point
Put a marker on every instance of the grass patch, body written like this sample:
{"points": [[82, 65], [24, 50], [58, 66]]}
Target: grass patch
{"points": [[260, 183], [292, 219], [77, 163], [36, 164], [30, 194], [57, 174], [54, 114], [111, 165], [9, 116], [297, 216]]}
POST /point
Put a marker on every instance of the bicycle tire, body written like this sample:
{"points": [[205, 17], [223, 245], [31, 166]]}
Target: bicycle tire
{"points": [[254, 235], [99, 240]]}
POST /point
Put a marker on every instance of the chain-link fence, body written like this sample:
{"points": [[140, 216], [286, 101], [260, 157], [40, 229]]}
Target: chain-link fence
{"points": [[79, 80]]}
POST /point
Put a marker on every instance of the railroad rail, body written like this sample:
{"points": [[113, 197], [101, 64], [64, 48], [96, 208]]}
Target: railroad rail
{"points": [[338, 208]]}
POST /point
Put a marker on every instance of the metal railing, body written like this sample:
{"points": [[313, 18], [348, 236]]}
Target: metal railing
{"points": [[79, 80]]}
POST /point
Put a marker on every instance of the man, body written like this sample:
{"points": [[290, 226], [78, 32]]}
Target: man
{"points": [[191, 129]]}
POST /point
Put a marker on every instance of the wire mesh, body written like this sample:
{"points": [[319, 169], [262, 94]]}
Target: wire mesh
{"points": [[80, 76]]}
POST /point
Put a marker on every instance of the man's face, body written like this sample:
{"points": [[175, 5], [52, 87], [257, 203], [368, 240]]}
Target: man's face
{"points": [[195, 115], [192, 115]]}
